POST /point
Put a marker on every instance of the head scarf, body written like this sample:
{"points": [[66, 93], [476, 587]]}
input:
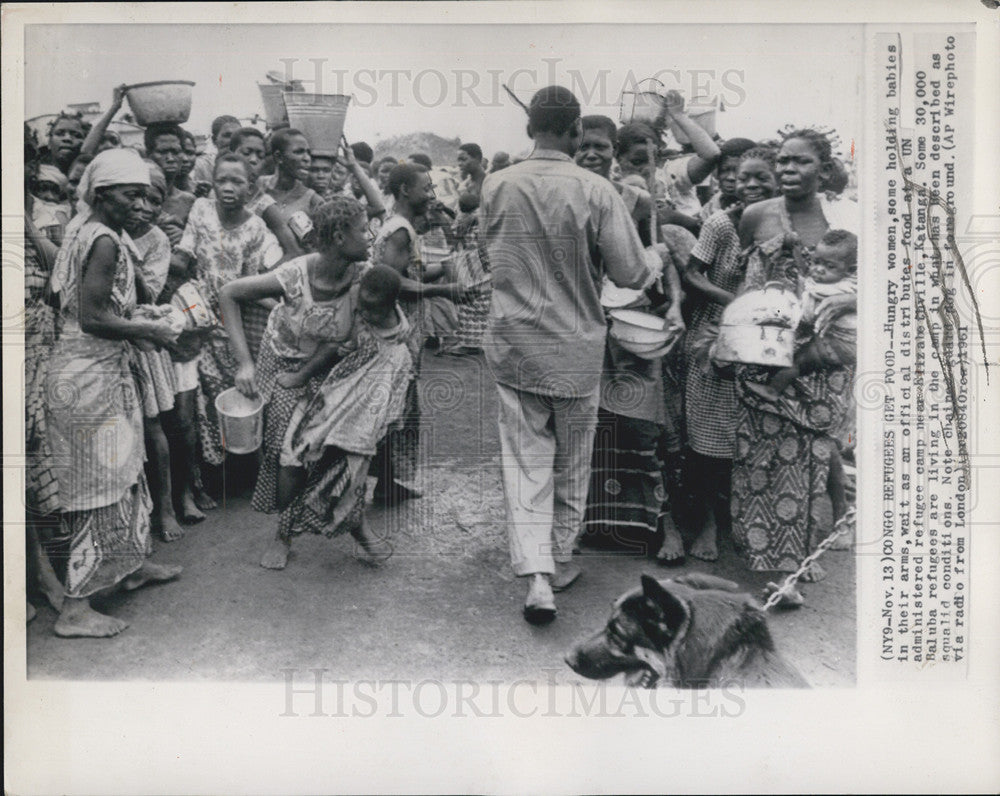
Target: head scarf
{"points": [[48, 173], [111, 167]]}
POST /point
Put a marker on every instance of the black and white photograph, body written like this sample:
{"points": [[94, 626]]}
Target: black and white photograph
{"points": [[393, 363]]}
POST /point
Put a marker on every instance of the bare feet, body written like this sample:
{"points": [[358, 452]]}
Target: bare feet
{"points": [[276, 554], [845, 541], [671, 552], [151, 573], [705, 546], [791, 599], [565, 576], [540, 605], [190, 513], [203, 501], [395, 493], [79, 619], [167, 528], [376, 551]]}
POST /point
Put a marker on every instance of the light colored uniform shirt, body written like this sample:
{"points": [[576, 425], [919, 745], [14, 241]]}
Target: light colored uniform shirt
{"points": [[551, 231]]}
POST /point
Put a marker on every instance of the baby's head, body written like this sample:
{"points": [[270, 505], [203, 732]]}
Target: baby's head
{"points": [[835, 257], [50, 185], [377, 295]]}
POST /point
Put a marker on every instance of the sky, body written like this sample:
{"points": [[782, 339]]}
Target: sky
{"points": [[447, 79]]}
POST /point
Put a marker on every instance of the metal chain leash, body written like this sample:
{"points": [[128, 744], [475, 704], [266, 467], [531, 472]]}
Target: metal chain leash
{"points": [[789, 582]]}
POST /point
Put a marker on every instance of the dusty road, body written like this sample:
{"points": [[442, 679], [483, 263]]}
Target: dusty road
{"points": [[445, 606]]}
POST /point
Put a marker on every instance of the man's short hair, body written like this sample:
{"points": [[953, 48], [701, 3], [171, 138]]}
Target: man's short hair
{"points": [[423, 159], [362, 152], [553, 110], [473, 151], [404, 174]]}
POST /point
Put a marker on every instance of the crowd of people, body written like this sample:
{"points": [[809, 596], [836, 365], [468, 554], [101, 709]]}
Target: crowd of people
{"points": [[317, 282]]}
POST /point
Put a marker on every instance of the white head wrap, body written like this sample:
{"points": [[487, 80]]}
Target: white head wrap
{"points": [[110, 167]]}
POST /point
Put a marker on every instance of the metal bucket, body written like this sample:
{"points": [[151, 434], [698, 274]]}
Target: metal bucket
{"points": [[319, 117], [642, 106], [274, 104], [241, 421]]}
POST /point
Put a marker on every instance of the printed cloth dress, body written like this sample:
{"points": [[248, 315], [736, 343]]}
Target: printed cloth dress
{"points": [[94, 424], [296, 328], [221, 255], [780, 504]]}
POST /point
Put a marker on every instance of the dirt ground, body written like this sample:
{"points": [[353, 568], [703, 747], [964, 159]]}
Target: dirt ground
{"points": [[445, 606]]}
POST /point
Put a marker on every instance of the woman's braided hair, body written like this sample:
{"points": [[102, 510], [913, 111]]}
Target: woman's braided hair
{"points": [[76, 117], [817, 139]]}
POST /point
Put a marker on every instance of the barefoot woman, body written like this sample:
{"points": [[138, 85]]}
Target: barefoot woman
{"points": [[784, 447], [94, 417], [313, 327]]}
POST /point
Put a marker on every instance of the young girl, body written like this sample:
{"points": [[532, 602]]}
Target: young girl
{"points": [[157, 382], [315, 325], [66, 135], [712, 277], [222, 242], [281, 244]]}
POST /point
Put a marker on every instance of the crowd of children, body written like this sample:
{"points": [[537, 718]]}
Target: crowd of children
{"points": [[159, 279]]}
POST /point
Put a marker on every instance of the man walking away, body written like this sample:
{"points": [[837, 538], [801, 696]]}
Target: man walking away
{"points": [[551, 231]]}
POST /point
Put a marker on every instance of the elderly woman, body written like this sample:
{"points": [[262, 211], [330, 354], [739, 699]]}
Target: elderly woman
{"points": [[785, 448], [94, 418]]}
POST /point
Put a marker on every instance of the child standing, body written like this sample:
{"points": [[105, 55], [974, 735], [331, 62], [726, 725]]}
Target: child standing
{"points": [[157, 381], [222, 242]]}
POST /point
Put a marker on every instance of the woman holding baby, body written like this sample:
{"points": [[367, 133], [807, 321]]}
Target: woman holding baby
{"points": [[787, 485]]}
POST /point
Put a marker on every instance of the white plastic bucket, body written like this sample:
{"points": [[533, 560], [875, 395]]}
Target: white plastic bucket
{"points": [[241, 421], [319, 117]]}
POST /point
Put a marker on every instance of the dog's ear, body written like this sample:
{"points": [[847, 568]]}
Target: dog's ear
{"points": [[674, 611]]}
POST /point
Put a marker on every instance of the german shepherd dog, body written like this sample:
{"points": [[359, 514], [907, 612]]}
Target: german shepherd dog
{"points": [[695, 631]]}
